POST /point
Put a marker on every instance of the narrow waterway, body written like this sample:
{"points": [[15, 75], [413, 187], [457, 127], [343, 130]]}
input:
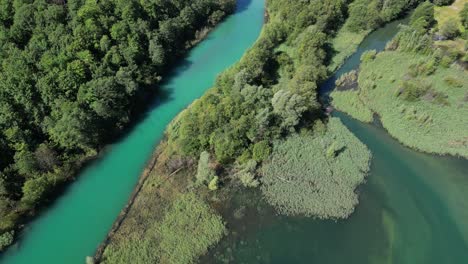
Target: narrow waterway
{"points": [[413, 209], [77, 222]]}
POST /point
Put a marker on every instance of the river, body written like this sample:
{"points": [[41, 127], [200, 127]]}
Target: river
{"points": [[413, 208], [77, 222]]}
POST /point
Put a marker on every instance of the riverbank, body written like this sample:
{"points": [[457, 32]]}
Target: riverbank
{"points": [[419, 95]]}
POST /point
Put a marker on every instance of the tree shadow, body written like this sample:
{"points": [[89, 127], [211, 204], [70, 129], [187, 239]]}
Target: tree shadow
{"points": [[242, 5]]}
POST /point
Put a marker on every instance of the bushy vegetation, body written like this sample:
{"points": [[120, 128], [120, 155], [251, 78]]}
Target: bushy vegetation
{"points": [[71, 75], [268, 93], [418, 90], [316, 175], [6, 239], [370, 14]]}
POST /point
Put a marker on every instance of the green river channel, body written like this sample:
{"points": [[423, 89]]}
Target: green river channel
{"points": [[413, 209]]}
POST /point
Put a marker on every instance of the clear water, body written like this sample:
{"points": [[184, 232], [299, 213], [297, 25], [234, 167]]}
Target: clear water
{"points": [[77, 222], [413, 209]]}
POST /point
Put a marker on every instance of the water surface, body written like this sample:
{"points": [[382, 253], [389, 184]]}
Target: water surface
{"points": [[77, 222]]}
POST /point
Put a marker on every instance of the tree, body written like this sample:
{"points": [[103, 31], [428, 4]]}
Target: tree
{"points": [[363, 15], [46, 157], [289, 107], [464, 16], [213, 185], [204, 172], [34, 190], [261, 150], [450, 29], [423, 17], [25, 163]]}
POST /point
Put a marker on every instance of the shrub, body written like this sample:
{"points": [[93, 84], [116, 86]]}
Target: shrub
{"points": [[213, 185], [204, 172], [464, 16], [6, 239], [247, 174], [454, 82], [450, 29], [423, 17], [368, 56], [412, 90], [261, 150]]}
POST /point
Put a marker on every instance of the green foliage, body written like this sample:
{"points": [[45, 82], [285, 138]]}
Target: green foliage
{"points": [[350, 103], [247, 174], [268, 92], [413, 90], [464, 16], [302, 179], [6, 239], [424, 114], [423, 17], [182, 238], [370, 14], [204, 172], [213, 185], [72, 73], [363, 15], [261, 150], [34, 190], [179, 233], [450, 29]]}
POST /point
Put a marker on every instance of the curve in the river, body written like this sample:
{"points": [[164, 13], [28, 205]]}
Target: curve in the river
{"points": [[77, 222], [413, 209]]}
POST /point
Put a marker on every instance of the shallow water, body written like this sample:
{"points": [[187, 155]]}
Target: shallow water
{"points": [[79, 220], [413, 209]]}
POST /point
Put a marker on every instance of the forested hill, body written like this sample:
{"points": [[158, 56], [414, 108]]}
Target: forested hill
{"points": [[70, 75]]}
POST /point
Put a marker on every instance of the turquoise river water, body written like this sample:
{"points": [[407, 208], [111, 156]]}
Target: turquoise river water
{"points": [[77, 222]]}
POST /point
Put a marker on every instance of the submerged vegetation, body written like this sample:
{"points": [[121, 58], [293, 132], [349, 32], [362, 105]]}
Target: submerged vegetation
{"points": [[316, 175], [418, 88], [72, 74]]}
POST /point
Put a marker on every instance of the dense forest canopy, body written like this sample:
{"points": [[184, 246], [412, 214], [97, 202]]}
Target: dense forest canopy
{"points": [[71, 73]]}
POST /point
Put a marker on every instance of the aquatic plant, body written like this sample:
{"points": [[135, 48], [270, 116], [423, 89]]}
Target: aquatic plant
{"points": [[302, 178]]}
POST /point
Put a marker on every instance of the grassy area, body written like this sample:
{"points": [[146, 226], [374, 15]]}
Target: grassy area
{"points": [[316, 175], [167, 223], [344, 44], [421, 105], [350, 103], [444, 13]]}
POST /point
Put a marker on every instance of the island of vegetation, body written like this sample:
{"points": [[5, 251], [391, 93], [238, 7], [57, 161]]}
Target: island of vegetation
{"points": [[72, 75], [261, 125], [419, 85]]}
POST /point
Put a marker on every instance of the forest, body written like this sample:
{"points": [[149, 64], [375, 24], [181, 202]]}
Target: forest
{"points": [[73, 75]]}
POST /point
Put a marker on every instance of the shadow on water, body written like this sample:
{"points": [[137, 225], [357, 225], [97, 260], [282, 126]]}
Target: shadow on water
{"points": [[243, 5]]}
